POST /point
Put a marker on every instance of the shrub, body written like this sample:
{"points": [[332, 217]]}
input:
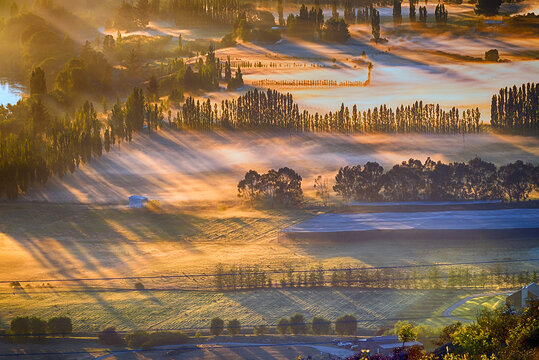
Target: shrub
{"points": [[145, 340], [109, 336], [260, 330], [20, 325], [60, 325], [492, 55], [297, 324], [216, 326], [15, 285], [139, 285], [38, 327], [283, 326], [321, 326], [346, 325], [233, 327]]}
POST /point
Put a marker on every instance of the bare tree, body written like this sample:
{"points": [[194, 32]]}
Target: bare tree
{"points": [[322, 189]]}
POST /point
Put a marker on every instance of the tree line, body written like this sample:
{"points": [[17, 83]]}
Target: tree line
{"points": [[273, 110], [130, 16], [413, 180], [516, 109], [296, 325], [236, 278], [32, 328]]}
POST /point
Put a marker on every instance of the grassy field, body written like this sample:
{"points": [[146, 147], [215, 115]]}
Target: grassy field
{"points": [[472, 307], [58, 241], [190, 310]]}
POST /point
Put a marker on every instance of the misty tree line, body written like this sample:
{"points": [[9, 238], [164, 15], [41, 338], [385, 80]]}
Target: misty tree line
{"points": [[238, 278], [50, 146], [516, 109], [273, 110], [413, 180], [130, 16]]}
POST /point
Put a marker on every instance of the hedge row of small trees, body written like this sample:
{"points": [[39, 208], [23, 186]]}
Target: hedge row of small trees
{"points": [[237, 278], [296, 324], [24, 328]]}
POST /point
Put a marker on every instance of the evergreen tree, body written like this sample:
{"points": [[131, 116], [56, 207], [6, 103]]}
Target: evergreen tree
{"points": [[38, 83]]}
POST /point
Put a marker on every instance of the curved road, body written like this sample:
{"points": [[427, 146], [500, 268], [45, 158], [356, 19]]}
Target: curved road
{"points": [[447, 312]]}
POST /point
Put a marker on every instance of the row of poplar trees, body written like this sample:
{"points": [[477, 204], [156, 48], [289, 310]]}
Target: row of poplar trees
{"points": [[516, 109], [273, 110]]}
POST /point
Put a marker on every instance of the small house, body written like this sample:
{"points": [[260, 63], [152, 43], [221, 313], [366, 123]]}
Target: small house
{"points": [[522, 297], [137, 201]]}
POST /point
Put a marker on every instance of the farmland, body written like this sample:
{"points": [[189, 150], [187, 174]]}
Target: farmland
{"points": [[258, 199]]}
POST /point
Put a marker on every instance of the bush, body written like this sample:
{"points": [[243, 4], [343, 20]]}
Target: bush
{"points": [[145, 340], [20, 325], [346, 325], [297, 324], [109, 336], [283, 326], [139, 285], [60, 325], [260, 330], [216, 326], [321, 326], [15, 285], [492, 55], [38, 327], [233, 327]]}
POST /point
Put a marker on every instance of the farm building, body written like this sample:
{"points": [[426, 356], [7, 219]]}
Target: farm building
{"points": [[522, 297], [137, 201]]}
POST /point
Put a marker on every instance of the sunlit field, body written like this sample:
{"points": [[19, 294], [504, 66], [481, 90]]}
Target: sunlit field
{"points": [[288, 159], [190, 167]]}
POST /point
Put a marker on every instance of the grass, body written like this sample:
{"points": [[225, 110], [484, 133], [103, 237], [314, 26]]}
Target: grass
{"points": [[194, 309], [48, 241], [472, 307]]}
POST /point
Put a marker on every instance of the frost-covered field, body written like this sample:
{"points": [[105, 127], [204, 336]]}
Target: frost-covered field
{"points": [[437, 220]]}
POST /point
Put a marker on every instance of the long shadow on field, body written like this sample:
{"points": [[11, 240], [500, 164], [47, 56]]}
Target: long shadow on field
{"points": [[411, 247]]}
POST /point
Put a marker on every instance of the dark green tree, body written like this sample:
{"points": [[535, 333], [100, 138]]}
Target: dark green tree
{"points": [[488, 7], [217, 326], [346, 325], [297, 324], [38, 83]]}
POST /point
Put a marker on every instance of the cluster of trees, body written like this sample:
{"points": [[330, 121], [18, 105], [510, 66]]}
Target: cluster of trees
{"points": [[296, 325], [42, 145], [258, 27], [413, 180], [440, 14], [488, 7], [273, 110], [206, 74], [130, 16], [516, 109], [502, 333], [309, 24], [25, 328], [281, 187]]}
